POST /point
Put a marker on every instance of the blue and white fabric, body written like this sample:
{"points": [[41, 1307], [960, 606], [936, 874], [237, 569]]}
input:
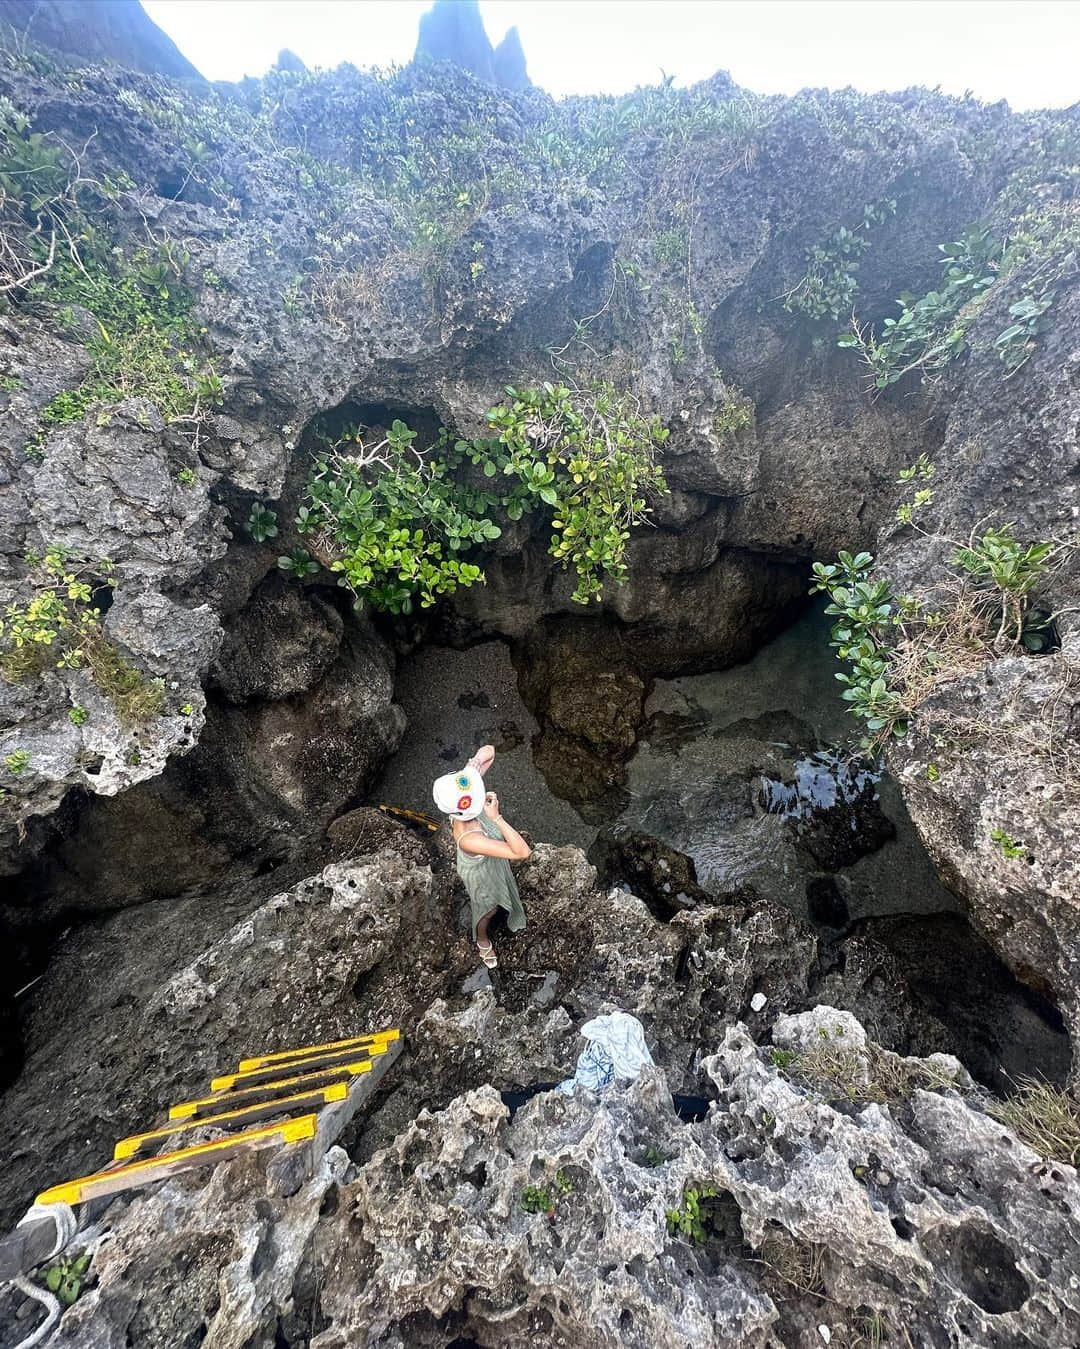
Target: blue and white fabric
{"points": [[616, 1049]]}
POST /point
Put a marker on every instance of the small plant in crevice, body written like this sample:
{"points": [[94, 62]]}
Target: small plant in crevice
{"points": [[17, 762], [1010, 847], [66, 1278], [298, 563], [545, 1198], [691, 1218], [395, 522], [733, 415], [262, 523], [652, 1157], [78, 716]]}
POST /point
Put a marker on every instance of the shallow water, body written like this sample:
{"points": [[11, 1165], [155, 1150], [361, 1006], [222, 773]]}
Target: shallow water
{"points": [[732, 765]]}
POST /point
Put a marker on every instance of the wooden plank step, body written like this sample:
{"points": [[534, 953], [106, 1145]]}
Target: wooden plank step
{"points": [[308, 1051], [285, 1105], [153, 1169], [269, 1091], [254, 1076]]}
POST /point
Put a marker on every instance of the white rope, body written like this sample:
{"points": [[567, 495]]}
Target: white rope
{"points": [[63, 1216], [65, 1225], [50, 1303]]}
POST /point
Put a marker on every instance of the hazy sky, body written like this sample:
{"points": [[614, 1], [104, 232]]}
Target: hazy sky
{"points": [[1023, 50]]}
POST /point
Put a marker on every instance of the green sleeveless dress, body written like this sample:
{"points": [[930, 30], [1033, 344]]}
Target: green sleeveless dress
{"points": [[490, 882]]}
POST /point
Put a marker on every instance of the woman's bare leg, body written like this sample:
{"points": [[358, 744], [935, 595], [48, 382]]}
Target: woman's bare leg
{"points": [[482, 937]]}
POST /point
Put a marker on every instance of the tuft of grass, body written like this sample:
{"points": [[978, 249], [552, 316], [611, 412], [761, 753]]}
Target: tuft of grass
{"points": [[136, 698], [860, 1076], [1046, 1119], [799, 1265]]}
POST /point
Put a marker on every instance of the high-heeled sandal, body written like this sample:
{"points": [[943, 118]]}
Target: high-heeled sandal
{"points": [[489, 958]]}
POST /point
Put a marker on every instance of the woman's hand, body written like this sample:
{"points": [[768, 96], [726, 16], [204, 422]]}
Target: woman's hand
{"points": [[491, 806]]}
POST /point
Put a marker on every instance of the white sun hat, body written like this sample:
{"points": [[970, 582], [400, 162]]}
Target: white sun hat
{"points": [[460, 795]]}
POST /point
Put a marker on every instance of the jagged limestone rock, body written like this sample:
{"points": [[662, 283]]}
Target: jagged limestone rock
{"points": [[922, 1217]]}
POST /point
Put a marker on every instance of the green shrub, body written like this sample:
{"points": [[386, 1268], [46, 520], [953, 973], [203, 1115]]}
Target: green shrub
{"points": [[589, 454], [829, 287], [932, 330], [396, 522]]}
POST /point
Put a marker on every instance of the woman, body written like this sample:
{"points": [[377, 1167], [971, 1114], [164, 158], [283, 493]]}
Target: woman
{"points": [[486, 845]]}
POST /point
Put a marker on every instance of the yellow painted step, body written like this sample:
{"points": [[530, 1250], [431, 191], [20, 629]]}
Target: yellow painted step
{"points": [[249, 1077], [265, 1092], [129, 1147], [152, 1169], [265, 1060]]}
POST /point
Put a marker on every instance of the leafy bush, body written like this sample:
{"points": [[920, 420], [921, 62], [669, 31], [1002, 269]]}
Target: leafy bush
{"points": [[589, 454], [1010, 570], [831, 282], [932, 330], [395, 521]]}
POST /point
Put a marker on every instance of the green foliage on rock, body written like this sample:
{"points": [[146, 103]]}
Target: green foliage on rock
{"points": [[17, 762], [691, 1218], [59, 627], [932, 329], [829, 287], [397, 522], [897, 650], [588, 454], [61, 249]]}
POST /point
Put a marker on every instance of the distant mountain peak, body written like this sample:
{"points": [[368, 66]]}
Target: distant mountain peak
{"points": [[453, 30]]}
